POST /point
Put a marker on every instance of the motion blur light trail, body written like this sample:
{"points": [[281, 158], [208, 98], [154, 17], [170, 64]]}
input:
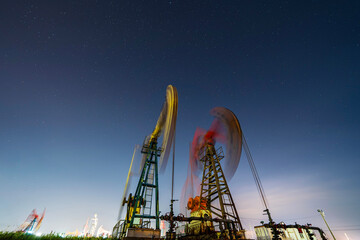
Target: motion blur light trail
{"points": [[224, 129], [32, 222], [142, 207]]}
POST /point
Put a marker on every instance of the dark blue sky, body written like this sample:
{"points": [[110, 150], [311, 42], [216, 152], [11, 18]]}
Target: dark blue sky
{"points": [[82, 82]]}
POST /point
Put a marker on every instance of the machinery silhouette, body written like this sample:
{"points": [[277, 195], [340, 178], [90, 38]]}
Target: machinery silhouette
{"points": [[32, 222], [206, 194]]}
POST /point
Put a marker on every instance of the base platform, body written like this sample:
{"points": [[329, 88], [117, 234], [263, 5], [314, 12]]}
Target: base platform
{"points": [[142, 234]]}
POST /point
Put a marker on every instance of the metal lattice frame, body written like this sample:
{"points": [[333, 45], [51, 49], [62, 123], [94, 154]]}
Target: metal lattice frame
{"points": [[143, 197], [215, 190], [148, 182]]}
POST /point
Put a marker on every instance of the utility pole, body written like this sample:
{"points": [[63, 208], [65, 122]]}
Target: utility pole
{"points": [[347, 237], [323, 216]]}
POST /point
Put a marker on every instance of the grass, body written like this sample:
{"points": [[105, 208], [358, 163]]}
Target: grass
{"points": [[19, 235]]}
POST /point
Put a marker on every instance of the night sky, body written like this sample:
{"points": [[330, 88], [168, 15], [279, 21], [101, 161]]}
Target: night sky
{"points": [[82, 82]]}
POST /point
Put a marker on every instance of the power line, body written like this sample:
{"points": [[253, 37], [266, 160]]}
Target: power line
{"points": [[299, 218], [353, 229], [353, 225], [254, 172]]}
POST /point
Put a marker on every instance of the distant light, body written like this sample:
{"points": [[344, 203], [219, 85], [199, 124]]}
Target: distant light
{"points": [[38, 234]]}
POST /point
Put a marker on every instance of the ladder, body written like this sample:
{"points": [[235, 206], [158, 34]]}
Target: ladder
{"points": [[149, 190]]}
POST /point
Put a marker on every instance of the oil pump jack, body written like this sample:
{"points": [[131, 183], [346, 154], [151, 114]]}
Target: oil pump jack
{"points": [[142, 207], [213, 212]]}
